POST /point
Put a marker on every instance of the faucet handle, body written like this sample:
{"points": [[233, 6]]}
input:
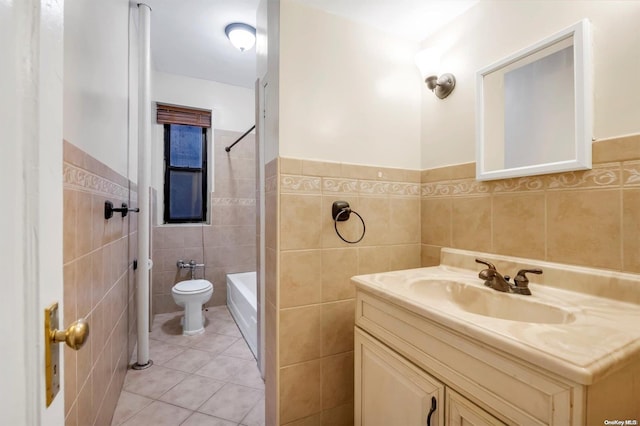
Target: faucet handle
{"points": [[521, 279], [484, 262]]}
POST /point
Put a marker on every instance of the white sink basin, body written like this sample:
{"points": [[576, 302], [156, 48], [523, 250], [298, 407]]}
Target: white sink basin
{"points": [[488, 302]]}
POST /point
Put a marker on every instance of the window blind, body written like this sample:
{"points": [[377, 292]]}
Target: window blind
{"points": [[171, 114]]}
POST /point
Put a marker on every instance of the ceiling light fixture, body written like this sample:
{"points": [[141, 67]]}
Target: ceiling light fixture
{"points": [[242, 36], [428, 61]]}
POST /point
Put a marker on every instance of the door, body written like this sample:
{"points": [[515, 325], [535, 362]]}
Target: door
{"points": [[462, 412], [31, 33], [389, 390]]}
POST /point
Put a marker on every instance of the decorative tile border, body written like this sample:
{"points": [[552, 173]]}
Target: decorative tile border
{"points": [[271, 184], [460, 188], [77, 178], [233, 201], [334, 185], [529, 183], [435, 189], [631, 173], [599, 177], [305, 184], [330, 185]]}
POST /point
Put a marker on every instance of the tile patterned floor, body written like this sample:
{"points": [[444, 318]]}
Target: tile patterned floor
{"points": [[211, 379]]}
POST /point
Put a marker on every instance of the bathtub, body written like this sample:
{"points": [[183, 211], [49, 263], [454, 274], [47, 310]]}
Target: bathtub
{"points": [[242, 303]]}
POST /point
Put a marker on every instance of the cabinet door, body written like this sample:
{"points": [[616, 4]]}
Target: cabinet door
{"points": [[462, 412], [390, 391]]}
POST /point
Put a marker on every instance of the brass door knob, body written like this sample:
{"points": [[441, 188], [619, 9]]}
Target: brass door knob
{"points": [[74, 336]]}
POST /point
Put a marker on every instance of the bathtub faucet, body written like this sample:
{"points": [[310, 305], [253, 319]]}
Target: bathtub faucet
{"points": [[190, 265]]}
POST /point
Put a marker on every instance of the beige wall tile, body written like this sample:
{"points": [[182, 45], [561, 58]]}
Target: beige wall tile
{"points": [[372, 260], [376, 214], [299, 334], [271, 373], [300, 391], [459, 171], [338, 266], [631, 229], [83, 285], [271, 220], [84, 403], [337, 326], [430, 255], [300, 221], [70, 383], [357, 171], [300, 277], [404, 220], [321, 168], [472, 219], [337, 380], [342, 415], [519, 225], [584, 228], [617, 149], [271, 276], [70, 209], [288, 166], [405, 256], [70, 312], [436, 221], [315, 420], [71, 418], [84, 223]]}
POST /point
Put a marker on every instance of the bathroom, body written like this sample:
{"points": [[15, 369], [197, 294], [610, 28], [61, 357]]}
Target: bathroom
{"points": [[402, 158]]}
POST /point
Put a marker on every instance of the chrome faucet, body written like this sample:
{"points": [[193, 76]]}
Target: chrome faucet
{"points": [[492, 278]]}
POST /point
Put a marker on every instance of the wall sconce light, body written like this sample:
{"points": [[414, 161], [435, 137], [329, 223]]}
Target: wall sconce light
{"points": [[242, 36], [428, 62]]}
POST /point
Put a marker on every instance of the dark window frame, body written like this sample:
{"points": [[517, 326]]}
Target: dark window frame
{"points": [[167, 181]]}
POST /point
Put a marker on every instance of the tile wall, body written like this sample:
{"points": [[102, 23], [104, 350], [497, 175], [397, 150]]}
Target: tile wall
{"points": [[228, 243], [584, 218], [310, 313], [589, 218], [98, 285]]}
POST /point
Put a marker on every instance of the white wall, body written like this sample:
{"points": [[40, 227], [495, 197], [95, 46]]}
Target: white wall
{"points": [[494, 29], [232, 108], [348, 92], [268, 71], [96, 78]]}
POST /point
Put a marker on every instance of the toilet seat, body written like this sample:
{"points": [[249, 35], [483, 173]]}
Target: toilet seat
{"points": [[192, 286]]}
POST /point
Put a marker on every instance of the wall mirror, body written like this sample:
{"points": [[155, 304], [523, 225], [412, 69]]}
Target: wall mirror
{"points": [[534, 108]]}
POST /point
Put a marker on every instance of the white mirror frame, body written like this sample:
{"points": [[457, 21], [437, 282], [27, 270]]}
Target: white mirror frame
{"points": [[583, 103]]}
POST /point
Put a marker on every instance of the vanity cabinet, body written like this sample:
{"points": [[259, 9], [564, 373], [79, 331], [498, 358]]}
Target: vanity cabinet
{"points": [[390, 390], [403, 359], [462, 412]]}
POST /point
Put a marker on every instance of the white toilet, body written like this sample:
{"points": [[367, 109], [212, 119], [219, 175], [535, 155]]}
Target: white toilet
{"points": [[192, 294]]}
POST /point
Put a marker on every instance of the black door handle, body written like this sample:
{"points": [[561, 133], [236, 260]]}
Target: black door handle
{"points": [[431, 411]]}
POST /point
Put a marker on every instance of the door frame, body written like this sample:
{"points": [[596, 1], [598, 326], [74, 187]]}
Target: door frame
{"points": [[31, 81]]}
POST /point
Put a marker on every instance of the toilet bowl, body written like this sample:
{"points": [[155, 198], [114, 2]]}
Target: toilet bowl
{"points": [[191, 295]]}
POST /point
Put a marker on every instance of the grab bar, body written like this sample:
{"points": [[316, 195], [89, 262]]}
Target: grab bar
{"points": [[240, 138]]}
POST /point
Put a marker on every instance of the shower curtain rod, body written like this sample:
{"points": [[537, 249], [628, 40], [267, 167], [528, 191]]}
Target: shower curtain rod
{"points": [[240, 138]]}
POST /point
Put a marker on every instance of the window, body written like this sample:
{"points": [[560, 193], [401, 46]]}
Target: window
{"points": [[185, 162]]}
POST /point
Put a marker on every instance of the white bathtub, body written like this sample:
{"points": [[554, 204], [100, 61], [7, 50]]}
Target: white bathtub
{"points": [[242, 303]]}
